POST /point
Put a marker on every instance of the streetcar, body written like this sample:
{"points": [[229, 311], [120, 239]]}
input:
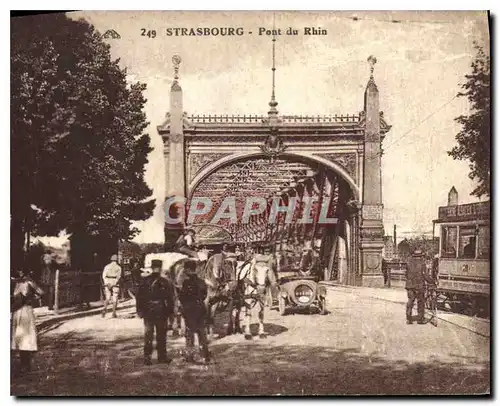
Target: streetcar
{"points": [[464, 257]]}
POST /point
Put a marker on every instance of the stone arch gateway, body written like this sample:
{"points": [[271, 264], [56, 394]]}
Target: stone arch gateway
{"points": [[338, 156]]}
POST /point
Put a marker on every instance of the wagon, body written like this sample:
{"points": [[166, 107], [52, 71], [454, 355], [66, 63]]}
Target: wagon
{"points": [[297, 291]]}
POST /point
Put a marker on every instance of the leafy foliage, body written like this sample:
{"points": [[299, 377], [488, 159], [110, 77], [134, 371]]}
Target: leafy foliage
{"points": [[474, 140], [78, 146]]}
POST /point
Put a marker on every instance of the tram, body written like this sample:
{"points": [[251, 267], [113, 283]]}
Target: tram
{"points": [[464, 257]]}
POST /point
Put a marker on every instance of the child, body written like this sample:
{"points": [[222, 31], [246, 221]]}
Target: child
{"points": [[192, 294]]}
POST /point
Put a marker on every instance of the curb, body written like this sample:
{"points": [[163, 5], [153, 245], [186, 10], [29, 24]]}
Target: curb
{"points": [[353, 289], [70, 316]]}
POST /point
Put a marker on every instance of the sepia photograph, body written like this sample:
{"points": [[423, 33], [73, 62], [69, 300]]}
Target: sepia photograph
{"points": [[250, 203]]}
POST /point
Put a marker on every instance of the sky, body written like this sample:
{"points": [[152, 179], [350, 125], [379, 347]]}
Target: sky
{"points": [[421, 60]]}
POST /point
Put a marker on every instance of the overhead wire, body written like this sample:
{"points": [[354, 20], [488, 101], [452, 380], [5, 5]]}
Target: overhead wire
{"points": [[374, 156]]}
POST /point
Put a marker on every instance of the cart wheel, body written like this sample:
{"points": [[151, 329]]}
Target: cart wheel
{"points": [[282, 306], [322, 306]]}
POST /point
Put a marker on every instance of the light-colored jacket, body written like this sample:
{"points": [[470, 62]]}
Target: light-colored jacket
{"points": [[111, 274]]}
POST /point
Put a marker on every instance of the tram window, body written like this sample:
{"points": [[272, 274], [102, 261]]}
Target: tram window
{"points": [[449, 237], [483, 239], [467, 243]]}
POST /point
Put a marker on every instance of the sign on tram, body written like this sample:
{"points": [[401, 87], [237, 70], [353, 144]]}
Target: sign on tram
{"points": [[471, 211]]}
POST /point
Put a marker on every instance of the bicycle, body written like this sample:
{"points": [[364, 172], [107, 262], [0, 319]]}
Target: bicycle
{"points": [[431, 303]]}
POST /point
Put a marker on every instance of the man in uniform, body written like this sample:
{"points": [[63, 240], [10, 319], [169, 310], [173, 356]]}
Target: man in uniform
{"points": [[111, 276], [416, 277], [192, 294], [155, 303]]}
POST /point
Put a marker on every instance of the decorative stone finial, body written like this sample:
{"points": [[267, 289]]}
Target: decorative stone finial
{"points": [[176, 60], [372, 61]]}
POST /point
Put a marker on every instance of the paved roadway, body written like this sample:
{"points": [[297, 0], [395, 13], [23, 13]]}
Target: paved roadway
{"points": [[363, 346]]}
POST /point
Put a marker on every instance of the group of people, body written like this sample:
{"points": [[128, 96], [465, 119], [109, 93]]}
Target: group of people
{"points": [[303, 258], [155, 298]]}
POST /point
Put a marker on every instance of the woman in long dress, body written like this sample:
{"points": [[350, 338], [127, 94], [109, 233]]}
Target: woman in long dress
{"points": [[24, 335]]}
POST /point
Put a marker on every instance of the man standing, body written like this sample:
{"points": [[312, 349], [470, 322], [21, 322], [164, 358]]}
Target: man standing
{"points": [[111, 278], [416, 277], [387, 273], [155, 303], [192, 294]]}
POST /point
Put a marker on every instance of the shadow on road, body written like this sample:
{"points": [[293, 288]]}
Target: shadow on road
{"points": [[76, 364]]}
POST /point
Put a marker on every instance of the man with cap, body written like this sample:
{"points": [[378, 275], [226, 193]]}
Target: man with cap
{"points": [[185, 243], [111, 276], [416, 277], [192, 294], [155, 303]]}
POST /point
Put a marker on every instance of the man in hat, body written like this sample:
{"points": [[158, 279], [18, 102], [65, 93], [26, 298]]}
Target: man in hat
{"points": [[155, 303], [192, 294], [185, 243], [111, 276], [239, 253], [416, 277]]}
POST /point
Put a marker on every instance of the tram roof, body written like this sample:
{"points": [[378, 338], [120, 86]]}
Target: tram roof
{"points": [[464, 212]]}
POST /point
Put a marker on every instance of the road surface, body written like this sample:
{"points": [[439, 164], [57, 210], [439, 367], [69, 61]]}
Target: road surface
{"points": [[363, 346]]}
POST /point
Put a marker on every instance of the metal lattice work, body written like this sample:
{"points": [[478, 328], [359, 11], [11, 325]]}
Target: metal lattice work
{"points": [[258, 177], [271, 179]]}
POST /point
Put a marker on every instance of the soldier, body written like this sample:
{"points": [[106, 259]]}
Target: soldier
{"points": [[192, 293], [155, 303], [111, 276], [416, 276]]}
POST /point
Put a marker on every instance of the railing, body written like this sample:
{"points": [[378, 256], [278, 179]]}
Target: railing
{"points": [[74, 287], [258, 119], [222, 119], [348, 118]]}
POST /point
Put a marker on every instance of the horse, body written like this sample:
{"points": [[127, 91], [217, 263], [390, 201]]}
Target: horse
{"points": [[251, 283], [235, 293], [219, 275]]}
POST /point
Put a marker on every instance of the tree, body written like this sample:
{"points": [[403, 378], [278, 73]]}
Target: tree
{"points": [[474, 139], [78, 147]]}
